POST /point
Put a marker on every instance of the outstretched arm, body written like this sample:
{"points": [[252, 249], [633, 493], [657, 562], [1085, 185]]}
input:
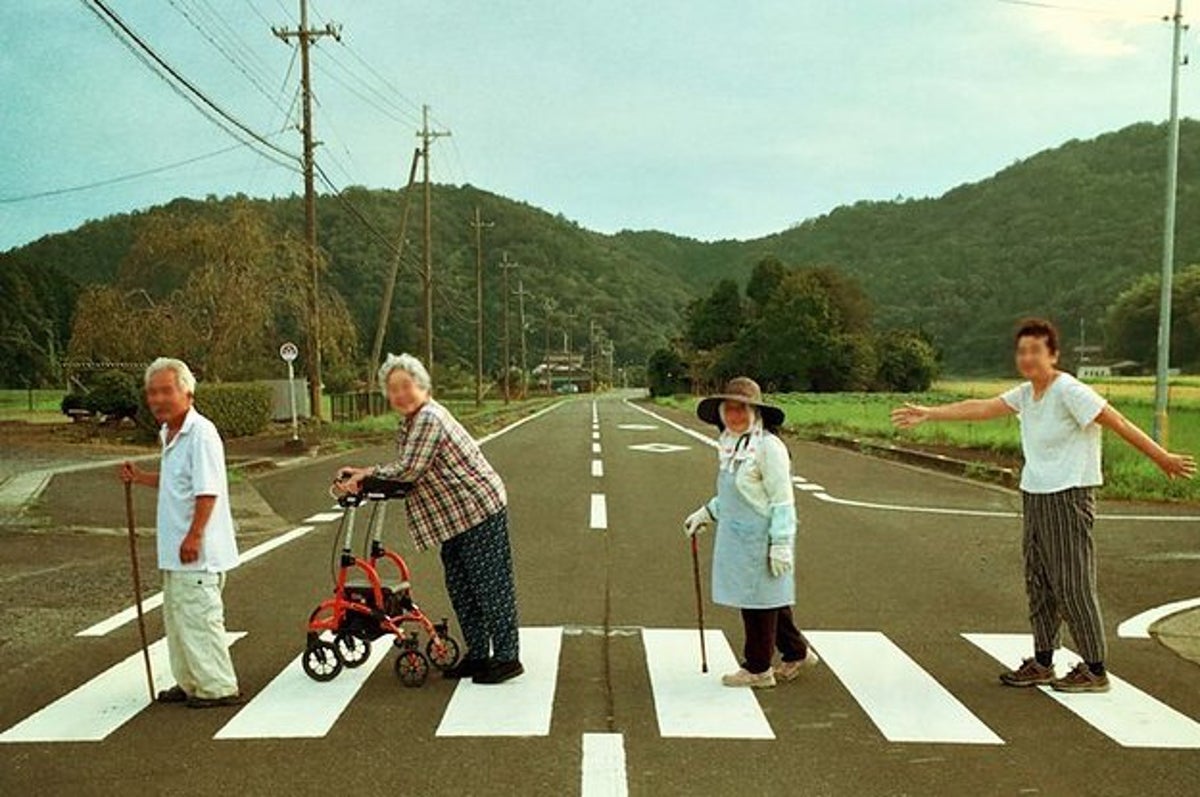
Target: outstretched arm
{"points": [[970, 410], [1173, 465]]}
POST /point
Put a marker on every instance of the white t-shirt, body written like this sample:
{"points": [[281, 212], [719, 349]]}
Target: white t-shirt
{"points": [[1059, 435], [193, 464]]}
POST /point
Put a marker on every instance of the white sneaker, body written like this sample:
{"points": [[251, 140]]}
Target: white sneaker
{"points": [[790, 670], [762, 680]]}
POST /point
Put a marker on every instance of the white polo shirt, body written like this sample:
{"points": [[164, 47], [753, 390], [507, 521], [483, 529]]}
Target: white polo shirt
{"points": [[193, 464], [1060, 438]]}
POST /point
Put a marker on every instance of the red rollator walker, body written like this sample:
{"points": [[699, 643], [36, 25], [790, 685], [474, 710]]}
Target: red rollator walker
{"points": [[363, 608]]}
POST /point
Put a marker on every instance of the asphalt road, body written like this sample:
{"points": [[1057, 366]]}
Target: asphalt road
{"points": [[903, 704]]}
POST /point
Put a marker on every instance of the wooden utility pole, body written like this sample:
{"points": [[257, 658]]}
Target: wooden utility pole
{"points": [[427, 136], [390, 288], [305, 36], [479, 224], [506, 266], [548, 305], [521, 294]]}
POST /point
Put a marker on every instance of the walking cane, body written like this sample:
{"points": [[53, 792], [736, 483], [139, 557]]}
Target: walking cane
{"points": [[137, 586], [699, 602]]}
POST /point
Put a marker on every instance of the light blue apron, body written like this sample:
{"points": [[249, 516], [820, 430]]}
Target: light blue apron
{"points": [[741, 577]]}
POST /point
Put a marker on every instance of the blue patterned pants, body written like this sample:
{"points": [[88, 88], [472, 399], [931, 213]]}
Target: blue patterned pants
{"points": [[479, 578]]}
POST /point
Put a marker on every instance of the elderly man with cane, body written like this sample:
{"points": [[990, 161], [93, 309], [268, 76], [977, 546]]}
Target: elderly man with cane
{"points": [[196, 544]]}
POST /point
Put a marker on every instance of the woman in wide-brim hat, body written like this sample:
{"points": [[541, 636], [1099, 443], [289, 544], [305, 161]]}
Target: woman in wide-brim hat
{"points": [[755, 515]]}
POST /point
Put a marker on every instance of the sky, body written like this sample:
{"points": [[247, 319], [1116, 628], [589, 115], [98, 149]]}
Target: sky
{"points": [[707, 118]]}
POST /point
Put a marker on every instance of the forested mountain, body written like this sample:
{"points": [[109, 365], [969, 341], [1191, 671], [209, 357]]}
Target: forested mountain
{"points": [[1060, 233]]}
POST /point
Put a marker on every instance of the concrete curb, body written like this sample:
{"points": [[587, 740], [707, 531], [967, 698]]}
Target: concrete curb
{"points": [[979, 471]]}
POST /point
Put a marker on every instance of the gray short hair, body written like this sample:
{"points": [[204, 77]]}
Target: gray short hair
{"points": [[410, 365], [183, 375]]}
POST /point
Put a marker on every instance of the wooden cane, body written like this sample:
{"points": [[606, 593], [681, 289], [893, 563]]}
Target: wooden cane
{"points": [[137, 586], [699, 602]]}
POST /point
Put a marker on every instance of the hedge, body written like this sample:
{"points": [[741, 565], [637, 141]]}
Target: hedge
{"points": [[237, 408]]}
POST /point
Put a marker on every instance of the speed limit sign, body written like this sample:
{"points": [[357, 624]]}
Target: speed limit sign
{"points": [[289, 352]]}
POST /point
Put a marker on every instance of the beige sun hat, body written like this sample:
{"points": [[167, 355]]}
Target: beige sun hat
{"points": [[745, 390]]}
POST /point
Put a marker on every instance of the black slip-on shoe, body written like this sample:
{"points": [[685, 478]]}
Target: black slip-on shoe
{"points": [[216, 702], [173, 695], [498, 672], [467, 668]]}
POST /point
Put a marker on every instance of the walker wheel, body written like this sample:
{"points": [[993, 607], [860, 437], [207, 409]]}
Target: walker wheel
{"points": [[351, 648], [412, 668], [442, 651], [321, 662]]}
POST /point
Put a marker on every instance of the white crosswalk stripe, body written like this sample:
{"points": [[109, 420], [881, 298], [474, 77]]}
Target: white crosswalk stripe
{"points": [[102, 705], [694, 705], [295, 706], [520, 707], [905, 702], [1125, 714]]}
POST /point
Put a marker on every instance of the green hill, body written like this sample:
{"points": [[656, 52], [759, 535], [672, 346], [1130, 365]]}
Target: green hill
{"points": [[1058, 234]]}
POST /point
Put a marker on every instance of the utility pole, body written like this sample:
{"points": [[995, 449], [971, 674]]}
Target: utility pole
{"points": [[521, 294], [505, 267], [592, 351], [479, 224], [389, 290], [1161, 389], [305, 36], [427, 137], [548, 306]]}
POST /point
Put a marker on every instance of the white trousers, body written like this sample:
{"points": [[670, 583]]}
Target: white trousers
{"points": [[194, 616]]}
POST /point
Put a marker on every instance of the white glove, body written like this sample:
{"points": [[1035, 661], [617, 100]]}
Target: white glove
{"points": [[695, 522], [779, 558]]}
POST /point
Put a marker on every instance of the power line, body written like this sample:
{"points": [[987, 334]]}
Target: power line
{"points": [[1078, 9], [121, 178], [182, 85], [238, 64]]}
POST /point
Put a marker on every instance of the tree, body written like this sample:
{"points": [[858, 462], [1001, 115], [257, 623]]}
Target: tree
{"points": [[717, 318], [764, 281], [666, 373], [907, 362], [1132, 321], [228, 290]]}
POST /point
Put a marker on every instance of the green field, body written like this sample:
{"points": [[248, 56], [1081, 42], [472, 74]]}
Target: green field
{"points": [[1128, 475], [15, 406]]}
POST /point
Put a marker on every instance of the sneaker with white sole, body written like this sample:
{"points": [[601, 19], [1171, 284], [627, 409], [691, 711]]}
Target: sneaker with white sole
{"points": [[1081, 679], [1030, 673], [743, 677], [790, 670]]}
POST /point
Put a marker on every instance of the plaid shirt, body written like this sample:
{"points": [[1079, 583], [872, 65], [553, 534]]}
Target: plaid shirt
{"points": [[454, 487]]}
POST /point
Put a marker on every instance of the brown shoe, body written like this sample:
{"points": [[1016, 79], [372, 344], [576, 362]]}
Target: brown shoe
{"points": [[1081, 679], [1030, 673]]}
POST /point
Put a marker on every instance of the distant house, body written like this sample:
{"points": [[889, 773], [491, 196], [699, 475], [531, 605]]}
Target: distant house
{"points": [[560, 369]]}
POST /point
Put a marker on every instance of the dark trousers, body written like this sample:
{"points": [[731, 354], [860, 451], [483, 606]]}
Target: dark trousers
{"points": [[767, 629], [479, 579]]}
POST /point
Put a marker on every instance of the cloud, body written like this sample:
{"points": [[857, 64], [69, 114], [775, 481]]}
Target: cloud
{"points": [[1099, 30]]}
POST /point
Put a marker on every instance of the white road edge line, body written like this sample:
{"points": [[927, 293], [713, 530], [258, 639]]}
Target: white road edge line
{"points": [[154, 601], [603, 767], [929, 510], [1138, 626]]}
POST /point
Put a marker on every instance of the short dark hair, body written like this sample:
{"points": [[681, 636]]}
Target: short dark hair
{"points": [[1038, 328]]}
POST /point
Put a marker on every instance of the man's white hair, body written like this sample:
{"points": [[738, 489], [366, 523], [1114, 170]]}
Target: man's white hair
{"points": [[183, 375], [410, 365]]}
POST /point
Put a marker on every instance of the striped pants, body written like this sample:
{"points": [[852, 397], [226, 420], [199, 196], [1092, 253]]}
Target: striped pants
{"points": [[479, 579], [1060, 570]]}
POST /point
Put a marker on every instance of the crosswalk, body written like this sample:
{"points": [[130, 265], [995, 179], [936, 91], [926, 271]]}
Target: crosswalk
{"points": [[905, 702]]}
